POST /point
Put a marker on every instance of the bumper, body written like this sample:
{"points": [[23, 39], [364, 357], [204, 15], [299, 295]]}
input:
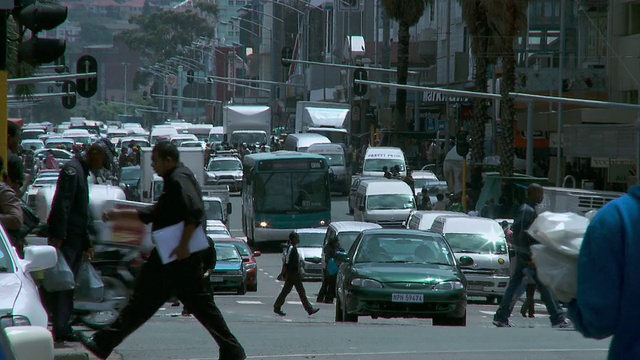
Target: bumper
{"points": [[311, 271], [235, 185], [486, 285], [378, 302], [221, 281], [270, 234]]}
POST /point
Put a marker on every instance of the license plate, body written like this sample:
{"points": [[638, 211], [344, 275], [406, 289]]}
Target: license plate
{"points": [[475, 287], [407, 298], [216, 279]]}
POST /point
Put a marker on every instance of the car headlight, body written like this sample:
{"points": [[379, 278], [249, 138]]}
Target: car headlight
{"points": [[366, 283], [239, 272], [263, 224], [14, 320], [448, 285], [238, 177], [212, 176], [322, 222], [503, 271], [250, 266]]}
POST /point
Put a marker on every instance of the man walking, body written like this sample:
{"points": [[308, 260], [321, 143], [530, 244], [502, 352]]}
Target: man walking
{"points": [[525, 216], [68, 230], [291, 274], [181, 201]]}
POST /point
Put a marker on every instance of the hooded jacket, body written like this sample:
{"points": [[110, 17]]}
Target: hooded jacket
{"points": [[608, 268]]}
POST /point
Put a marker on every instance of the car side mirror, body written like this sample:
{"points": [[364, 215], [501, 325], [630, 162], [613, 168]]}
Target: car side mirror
{"points": [[465, 261], [256, 253], [342, 257], [40, 257], [229, 208], [361, 207]]}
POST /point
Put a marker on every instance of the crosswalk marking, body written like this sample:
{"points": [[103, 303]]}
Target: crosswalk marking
{"points": [[493, 313], [249, 302]]}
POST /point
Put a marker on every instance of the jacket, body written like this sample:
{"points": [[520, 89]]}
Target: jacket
{"points": [[524, 217], [10, 208], [69, 216], [608, 287], [181, 200]]}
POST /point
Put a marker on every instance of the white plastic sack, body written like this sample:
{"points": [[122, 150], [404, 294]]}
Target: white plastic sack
{"points": [[89, 286], [561, 232], [557, 271], [60, 277]]}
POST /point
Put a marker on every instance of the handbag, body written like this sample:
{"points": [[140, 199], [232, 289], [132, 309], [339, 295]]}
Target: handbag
{"points": [[332, 266]]}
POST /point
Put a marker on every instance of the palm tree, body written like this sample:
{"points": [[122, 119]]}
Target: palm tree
{"points": [[407, 13], [508, 18], [485, 50]]}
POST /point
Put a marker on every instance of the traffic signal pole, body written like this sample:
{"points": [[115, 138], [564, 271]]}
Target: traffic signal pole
{"points": [[4, 113]]}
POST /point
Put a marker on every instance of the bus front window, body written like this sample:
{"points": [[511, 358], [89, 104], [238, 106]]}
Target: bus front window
{"points": [[300, 192]]}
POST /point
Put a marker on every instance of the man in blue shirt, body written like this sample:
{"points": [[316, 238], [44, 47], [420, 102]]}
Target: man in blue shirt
{"points": [[608, 268]]}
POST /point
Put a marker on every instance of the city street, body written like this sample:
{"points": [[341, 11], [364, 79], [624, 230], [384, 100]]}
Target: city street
{"points": [[298, 336]]}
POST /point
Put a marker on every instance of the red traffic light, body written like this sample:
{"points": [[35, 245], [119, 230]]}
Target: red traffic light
{"points": [[36, 51]]}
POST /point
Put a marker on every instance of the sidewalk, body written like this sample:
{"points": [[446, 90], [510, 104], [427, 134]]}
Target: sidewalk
{"points": [[75, 351]]}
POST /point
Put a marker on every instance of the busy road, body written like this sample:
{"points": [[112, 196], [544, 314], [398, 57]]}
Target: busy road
{"points": [[265, 335]]}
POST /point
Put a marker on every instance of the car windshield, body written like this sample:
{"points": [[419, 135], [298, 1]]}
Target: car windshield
{"points": [[435, 188], [334, 159], [311, 239], [477, 243], [217, 232], [139, 143], [130, 173], [216, 138], [390, 202], [227, 253], [248, 138], [84, 140], [347, 239], [292, 192], [389, 248], [213, 210], [242, 247], [6, 265], [378, 164], [420, 183], [224, 165]]}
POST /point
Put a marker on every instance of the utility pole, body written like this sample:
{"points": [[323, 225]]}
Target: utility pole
{"points": [[126, 68], [180, 87], [386, 58], [563, 7], [5, 6]]}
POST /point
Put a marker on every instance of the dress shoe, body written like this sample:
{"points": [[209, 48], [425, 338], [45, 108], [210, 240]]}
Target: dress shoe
{"points": [[313, 311], [90, 344], [279, 312], [235, 354]]}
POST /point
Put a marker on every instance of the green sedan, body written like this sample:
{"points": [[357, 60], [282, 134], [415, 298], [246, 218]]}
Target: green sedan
{"points": [[402, 273]]}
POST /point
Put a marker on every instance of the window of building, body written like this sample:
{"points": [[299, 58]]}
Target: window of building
{"points": [[634, 19]]}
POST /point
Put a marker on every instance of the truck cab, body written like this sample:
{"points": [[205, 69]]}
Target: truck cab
{"points": [[217, 204]]}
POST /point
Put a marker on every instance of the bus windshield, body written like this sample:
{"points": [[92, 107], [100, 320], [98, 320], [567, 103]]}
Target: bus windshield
{"points": [[296, 192]]}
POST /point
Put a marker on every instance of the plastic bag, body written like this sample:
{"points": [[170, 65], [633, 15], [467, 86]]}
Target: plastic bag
{"points": [[89, 285], [60, 277], [561, 232], [557, 271]]}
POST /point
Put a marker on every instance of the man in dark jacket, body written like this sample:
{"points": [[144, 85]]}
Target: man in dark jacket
{"points": [[68, 229], [180, 202], [525, 216]]}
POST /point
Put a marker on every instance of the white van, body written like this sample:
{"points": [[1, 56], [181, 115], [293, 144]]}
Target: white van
{"points": [[337, 160], [423, 219], [484, 241], [385, 202], [301, 142], [161, 133], [216, 135], [376, 158]]}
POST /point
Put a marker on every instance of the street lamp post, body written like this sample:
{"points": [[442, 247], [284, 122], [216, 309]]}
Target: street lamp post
{"points": [[126, 68]]}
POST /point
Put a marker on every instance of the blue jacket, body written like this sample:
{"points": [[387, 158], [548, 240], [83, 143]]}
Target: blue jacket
{"points": [[606, 302]]}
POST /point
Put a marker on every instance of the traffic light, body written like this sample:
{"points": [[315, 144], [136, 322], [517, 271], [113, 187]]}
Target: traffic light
{"points": [[69, 101], [462, 143], [38, 17], [190, 76], [360, 89], [87, 87], [287, 53]]}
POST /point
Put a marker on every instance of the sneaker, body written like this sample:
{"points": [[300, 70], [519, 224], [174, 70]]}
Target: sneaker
{"points": [[501, 323], [279, 312], [564, 324]]}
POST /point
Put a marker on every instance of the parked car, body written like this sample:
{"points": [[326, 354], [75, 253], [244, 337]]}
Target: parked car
{"points": [[248, 259], [310, 251], [228, 273], [129, 180], [217, 229], [19, 297], [401, 273]]}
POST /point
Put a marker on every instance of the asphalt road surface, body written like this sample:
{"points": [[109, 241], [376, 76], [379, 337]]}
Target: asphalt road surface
{"points": [[266, 335]]}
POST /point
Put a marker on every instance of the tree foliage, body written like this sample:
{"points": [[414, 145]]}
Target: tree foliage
{"points": [[407, 13], [164, 34]]}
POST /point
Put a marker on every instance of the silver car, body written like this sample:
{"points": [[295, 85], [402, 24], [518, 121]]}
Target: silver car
{"points": [[225, 170]]}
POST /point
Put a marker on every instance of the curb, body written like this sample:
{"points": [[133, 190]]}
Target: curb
{"points": [[70, 354]]}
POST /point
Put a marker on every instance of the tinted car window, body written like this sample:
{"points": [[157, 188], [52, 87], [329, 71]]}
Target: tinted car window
{"points": [[404, 248]]}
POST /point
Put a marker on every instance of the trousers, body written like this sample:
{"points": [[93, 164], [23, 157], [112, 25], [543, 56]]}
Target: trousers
{"points": [[328, 288], [60, 303], [155, 284], [292, 279]]}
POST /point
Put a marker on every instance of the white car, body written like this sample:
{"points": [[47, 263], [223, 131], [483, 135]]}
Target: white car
{"points": [[19, 297], [216, 229]]}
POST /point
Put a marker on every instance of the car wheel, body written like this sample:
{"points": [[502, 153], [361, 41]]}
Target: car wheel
{"points": [[242, 289], [491, 299], [339, 317], [253, 288], [348, 317], [450, 321]]}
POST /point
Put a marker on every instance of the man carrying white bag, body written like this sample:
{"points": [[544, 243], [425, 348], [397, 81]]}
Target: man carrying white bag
{"points": [[608, 288]]}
